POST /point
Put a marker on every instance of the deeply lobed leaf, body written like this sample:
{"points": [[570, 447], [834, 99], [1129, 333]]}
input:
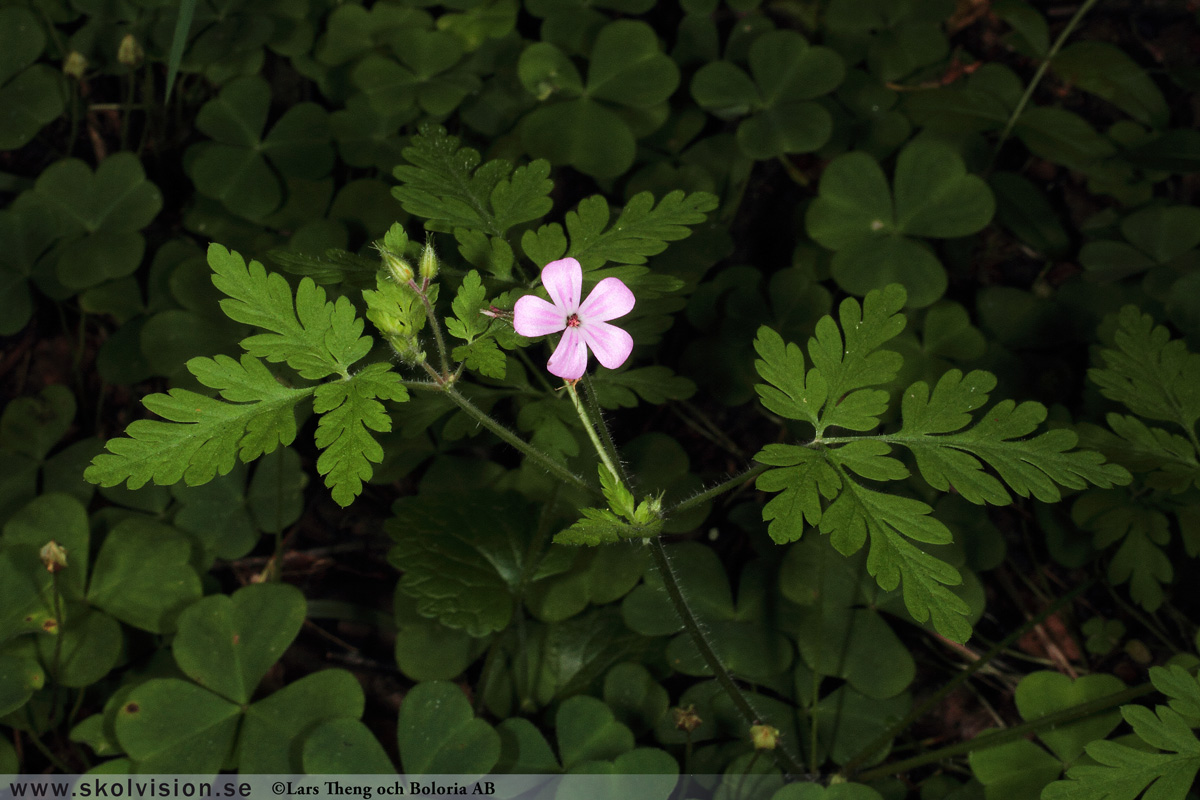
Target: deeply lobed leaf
{"points": [[947, 455], [889, 521], [315, 337], [350, 409], [641, 230], [203, 437], [444, 184], [1149, 373]]}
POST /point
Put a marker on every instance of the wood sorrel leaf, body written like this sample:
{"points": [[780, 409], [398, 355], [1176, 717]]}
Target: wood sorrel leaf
{"points": [[227, 643], [437, 732], [344, 746], [142, 575]]}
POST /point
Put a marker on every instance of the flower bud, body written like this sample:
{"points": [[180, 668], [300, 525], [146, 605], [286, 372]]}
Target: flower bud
{"points": [[54, 556], [764, 737], [74, 65], [396, 266], [130, 51], [429, 263], [686, 719]]}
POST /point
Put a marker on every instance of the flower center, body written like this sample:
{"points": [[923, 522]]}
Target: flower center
{"points": [[573, 321]]}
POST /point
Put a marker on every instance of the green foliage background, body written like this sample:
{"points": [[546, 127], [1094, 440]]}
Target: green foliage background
{"points": [[909, 431]]}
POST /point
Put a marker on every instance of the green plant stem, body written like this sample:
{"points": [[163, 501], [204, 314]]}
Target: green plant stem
{"points": [[1041, 71], [658, 552], [434, 325], [591, 432], [719, 489], [1047, 722], [598, 415], [554, 467], [880, 741], [58, 640], [423, 386], [662, 563], [42, 748], [130, 94]]}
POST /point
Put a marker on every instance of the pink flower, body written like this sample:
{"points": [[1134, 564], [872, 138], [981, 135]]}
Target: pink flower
{"points": [[584, 325]]}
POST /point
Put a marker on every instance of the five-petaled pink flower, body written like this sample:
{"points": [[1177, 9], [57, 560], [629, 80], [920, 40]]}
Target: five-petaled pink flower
{"points": [[584, 325]]}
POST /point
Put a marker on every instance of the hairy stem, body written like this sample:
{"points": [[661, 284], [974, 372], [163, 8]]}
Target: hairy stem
{"points": [[719, 489], [979, 663], [658, 551], [554, 467], [591, 432], [434, 325], [609, 445]]}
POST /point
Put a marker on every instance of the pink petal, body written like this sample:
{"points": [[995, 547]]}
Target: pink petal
{"points": [[563, 280], [611, 344], [533, 316], [610, 299], [570, 357]]}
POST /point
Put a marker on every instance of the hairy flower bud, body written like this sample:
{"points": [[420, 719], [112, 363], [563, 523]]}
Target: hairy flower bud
{"points": [[429, 263], [396, 266]]}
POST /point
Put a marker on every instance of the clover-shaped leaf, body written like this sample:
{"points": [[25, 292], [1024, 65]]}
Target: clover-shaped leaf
{"points": [[28, 233], [228, 643], [590, 128], [352, 31], [838, 631], [744, 643], [426, 76], [234, 169], [171, 725], [787, 75], [437, 732], [20, 675], [30, 96], [857, 216], [895, 38], [588, 731], [142, 575], [1162, 242], [344, 746], [100, 214], [1022, 768]]}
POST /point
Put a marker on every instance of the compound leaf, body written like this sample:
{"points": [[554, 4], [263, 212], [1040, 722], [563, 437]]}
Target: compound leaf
{"points": [[1143, 533], [484, 356], [889, 521], [642, 229], [947, 455], [841, 369], [1124, 772], [803, 478], [444, 184], [315, 337], [469, 323], [1149, 373], [203, 436], [350, 409]]}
